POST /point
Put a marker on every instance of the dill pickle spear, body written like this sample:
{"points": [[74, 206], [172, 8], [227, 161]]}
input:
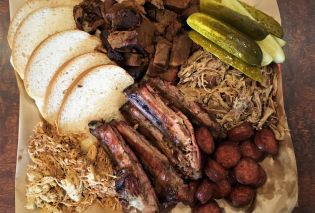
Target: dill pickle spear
{"points": [[226, 37], [269, 23], [241, 22], [252, 72]]}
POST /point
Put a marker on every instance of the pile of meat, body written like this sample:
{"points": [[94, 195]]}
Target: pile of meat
{"points": [[171, 150], [63, 179], [230, 95], [140, 36]]}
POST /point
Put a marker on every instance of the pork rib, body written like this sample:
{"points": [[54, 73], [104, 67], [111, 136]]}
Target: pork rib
{"points": [[174, 126], [168, 183], [193, 110], [133, 187]]}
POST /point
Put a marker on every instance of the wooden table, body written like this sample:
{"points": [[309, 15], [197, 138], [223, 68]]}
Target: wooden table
{"points": [[299, 79]]}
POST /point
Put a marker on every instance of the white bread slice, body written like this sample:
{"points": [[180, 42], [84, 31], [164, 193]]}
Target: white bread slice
{"points": [[35, 28], [63, 78], [96, 94], [50, 55], [29, 7]]}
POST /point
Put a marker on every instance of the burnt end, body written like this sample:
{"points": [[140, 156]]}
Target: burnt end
{"points": [[162, 53], [122, 39], [121, 17], [180, 50], [112, 54], [176, 4], [88, 15]]}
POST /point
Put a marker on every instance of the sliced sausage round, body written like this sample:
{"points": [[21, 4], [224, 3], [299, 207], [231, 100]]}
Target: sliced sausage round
{"points": [[266, 141], [211, 207], [204, 191], [250, 150], [215, 171], [205, 140], [241, 196], [241, 132], [262, 177], [222, 189], [228, 155], [247, 172]]}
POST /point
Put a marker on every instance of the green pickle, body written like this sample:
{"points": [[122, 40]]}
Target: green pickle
{"points": [[269, 23], [241, 22], [226, 37], [251, 71]]}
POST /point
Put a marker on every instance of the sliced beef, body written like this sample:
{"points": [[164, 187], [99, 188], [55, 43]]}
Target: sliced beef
{"points": [[133, 187], [181, 50], [190, 108], [162, 54], [170, 186], [173, 124]]}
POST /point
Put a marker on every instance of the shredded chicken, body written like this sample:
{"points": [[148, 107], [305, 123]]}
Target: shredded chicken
{"points": [[63, 179], [228, 94]]}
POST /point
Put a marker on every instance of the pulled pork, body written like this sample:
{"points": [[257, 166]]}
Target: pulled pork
{"points": [[63, 179], [230, 95]]}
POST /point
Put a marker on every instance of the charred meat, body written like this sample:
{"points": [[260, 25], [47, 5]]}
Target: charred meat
{"points": [[133, 187], [173, 124], [168, 184]]}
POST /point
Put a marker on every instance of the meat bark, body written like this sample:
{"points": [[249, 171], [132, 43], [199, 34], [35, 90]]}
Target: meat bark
{"points": [[173, 124], [133, 187], [145, 127], [169, 185]]}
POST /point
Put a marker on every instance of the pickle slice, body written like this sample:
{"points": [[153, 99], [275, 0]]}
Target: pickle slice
{"points": [[252, 72], [241, 22], [270, 24], [226, 37]]}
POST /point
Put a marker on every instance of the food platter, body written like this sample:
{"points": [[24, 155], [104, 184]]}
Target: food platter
{"points": [[279, 194]]}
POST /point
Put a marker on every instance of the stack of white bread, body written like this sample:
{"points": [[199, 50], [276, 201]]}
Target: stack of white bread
{"points": [[70, 81]]}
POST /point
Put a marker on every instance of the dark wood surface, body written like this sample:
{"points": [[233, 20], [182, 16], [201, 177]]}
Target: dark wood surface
{"points": [[298, 18]]}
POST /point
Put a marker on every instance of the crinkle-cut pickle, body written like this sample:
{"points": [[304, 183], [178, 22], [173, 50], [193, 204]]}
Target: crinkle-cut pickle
{"points": [[229, 39], [241, 22], [250, 71], [270, 24]]}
